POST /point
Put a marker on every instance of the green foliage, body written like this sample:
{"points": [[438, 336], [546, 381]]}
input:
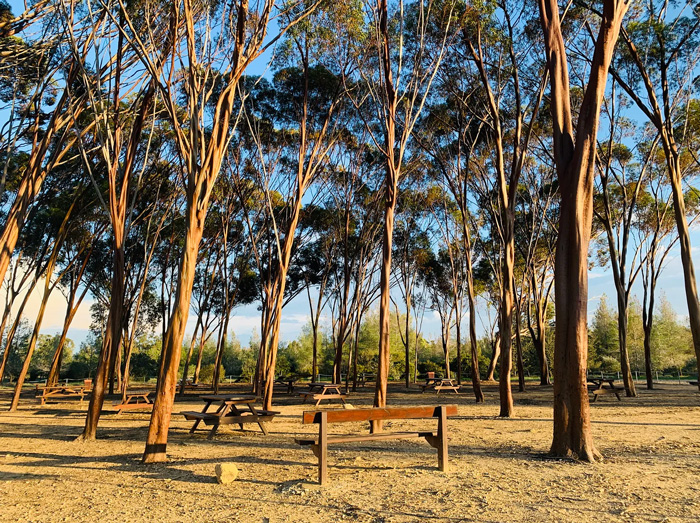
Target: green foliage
{"points": [[206, 375], [603, 342], [44, 352]]}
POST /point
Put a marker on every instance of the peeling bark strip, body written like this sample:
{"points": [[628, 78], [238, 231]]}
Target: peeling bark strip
{"points": [[575, 157]]}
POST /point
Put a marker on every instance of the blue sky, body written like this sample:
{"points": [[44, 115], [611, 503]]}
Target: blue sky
{"points": [[295, 316]]}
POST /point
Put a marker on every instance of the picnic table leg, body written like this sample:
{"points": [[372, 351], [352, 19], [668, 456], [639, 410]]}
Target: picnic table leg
{"points": [[222, 411], [323, 449], [320, 398], [261, 424], [442, 440], [237, 412], [196, 422]]}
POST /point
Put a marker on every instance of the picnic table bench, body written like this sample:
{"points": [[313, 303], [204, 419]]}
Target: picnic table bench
{"points": [[232, 409], [60, 392], [323, 391], [598, 388], [135, 401], [319, 445], [694, 383]]}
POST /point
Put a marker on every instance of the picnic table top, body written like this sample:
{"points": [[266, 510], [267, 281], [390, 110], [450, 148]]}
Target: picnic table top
{"points": [[325, 385], [600, 381], [63, 387], [229, 398], [136, 393]]}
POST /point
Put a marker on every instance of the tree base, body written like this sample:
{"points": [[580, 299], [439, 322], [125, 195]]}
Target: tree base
{"points": [[155, 453], [588, 454]]}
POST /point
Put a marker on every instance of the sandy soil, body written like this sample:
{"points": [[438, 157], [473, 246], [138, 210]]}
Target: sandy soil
{"points": [[499, 468]]}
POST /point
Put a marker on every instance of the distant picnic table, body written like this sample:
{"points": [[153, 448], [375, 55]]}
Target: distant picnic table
{"points": [[286, 381], [136, 400], [598, 387], [63, 391], [323, 391], [232, 409], [440, 384]]}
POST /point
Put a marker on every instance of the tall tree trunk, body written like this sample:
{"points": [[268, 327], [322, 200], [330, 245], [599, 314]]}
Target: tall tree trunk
{"points": [[384, 360], [622, 306], [390, 198], [474, 344], [506, 317], [110, 344], [55, 370], [13, 329], [200, 354], [496, 344], [458, 334], [32, 341], [183, 384], [575, 164], [220, 351], [519, 350], [691, 291], [156, 441], [407, 328], [539, 337]]}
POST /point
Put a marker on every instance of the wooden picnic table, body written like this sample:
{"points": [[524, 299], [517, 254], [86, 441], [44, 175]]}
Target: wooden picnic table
{"points": [[60, 391], [134, 401], [287, 382], [441, 384], [323, 391], [598, 387], [231, 409]]}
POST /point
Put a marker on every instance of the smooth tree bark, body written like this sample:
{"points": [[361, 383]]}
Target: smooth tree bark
{"points": [[575, 155], [507, 180], [49, 287], [397, 103], [495, 355], [617, 215], [202, 137]]}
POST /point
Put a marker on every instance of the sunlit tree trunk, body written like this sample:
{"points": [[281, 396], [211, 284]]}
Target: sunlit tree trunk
{"points": [[575, 157]]}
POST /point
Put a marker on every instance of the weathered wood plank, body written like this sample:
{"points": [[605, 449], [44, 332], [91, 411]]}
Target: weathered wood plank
{"points": [[341, 416]]}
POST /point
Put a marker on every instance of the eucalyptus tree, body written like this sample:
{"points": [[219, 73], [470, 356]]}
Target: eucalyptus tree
{"points": [[621, 191], [574, 153], [310, 106], [657, 218], [86, 231], [40, 119], [30, 263], [512, 84], [358, 228], [212, 45], [436, 277], [658, 67], [233, 278], [203, 303], [536, 235], [452, 133], [411, 251], [316, 261], [396, 75], [53, 219]]}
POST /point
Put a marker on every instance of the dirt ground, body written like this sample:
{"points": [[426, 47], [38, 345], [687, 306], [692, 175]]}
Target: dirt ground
{"points": [[499, 470]]}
